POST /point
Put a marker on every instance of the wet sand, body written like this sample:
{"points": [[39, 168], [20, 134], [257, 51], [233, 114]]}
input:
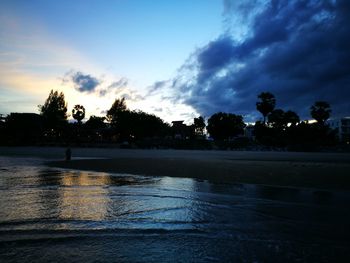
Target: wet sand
{"points": [[284, 173], [314, 170]]}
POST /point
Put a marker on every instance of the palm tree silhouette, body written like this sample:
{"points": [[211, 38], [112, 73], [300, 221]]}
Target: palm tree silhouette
{"points": [[78, 113], [266, 104], [320, 111]]}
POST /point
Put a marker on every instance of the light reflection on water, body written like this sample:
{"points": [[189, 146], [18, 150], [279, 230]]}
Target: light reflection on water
{"points": [[45, 198], [247, 221]]}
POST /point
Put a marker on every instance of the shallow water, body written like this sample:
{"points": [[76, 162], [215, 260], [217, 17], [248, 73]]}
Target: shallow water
{"points": [[49, 214]]}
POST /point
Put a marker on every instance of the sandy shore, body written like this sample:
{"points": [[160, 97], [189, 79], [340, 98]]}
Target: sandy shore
{"points": [[316, 170]]}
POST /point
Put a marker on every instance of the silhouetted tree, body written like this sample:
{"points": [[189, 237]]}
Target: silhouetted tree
{"points": [[266, 104], [137, 125], [54, 112], [280, 119], [2, 129], [199, 125], [134, 125], [281, 130], [95, 122], [114, 112], [291, 118], [262, 133], [95, 129], [312, 137], [222, 126], [23, 128], [78, 113], [277, 119], [320, 111]]}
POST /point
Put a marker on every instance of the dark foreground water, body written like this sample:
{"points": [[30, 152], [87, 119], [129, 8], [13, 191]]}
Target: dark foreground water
{"points": [[57, 215]]}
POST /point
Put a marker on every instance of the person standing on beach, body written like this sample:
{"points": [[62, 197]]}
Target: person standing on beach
{"points": [[68, 154]]}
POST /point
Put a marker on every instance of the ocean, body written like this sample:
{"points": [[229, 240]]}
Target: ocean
{"points": [[57, 215]]}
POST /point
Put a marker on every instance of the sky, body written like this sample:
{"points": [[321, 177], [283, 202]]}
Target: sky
{"points": [[176, 59]]}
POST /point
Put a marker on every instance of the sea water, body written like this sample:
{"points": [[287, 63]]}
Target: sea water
{"points": [[56, 215]]}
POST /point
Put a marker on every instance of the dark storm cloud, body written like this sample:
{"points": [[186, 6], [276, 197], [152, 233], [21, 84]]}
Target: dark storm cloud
{"points": [[84, 82], [298, 50], [216, 54]]}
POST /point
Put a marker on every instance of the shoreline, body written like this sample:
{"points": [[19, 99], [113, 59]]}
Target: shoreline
{"points": [[58, 153], [296, 169], [324, 176]]}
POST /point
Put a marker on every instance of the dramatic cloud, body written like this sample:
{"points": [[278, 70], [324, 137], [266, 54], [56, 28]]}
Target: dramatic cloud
{"points": [[82, 82], [91, 85], [298, 50]]}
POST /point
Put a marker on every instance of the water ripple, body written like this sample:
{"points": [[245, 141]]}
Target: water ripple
{"points": [[141, 217]]}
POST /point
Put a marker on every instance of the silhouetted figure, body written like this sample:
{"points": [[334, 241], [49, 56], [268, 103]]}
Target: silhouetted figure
{"points": [[68, 154]]}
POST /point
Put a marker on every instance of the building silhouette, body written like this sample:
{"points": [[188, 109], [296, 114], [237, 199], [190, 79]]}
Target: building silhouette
{"points": [[342, 128]]}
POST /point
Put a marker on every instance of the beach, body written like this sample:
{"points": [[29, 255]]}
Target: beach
{"points": [[293, 169]]}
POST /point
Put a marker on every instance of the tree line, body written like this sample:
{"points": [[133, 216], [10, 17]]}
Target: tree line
{"points": [[121, 125], [281, 128]]}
